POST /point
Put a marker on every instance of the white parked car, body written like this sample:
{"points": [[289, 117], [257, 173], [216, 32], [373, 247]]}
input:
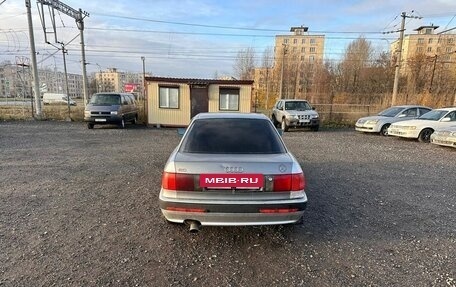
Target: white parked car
{"points": [[423, 127], [445, 136], [381, 122]]}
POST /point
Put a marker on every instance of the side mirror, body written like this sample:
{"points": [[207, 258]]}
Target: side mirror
{"points": [[313, 108], [181, 131], [446, 120]]}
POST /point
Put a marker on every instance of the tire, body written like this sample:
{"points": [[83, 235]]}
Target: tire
{"points": [[285, 127], [90, 126], [425, 135], [384, 130], [274, 121], [135, 120], [315, 128]]}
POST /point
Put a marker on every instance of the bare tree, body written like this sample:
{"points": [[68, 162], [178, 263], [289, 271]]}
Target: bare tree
{"points": [[358, 56], [267, 64], [244, 64]]}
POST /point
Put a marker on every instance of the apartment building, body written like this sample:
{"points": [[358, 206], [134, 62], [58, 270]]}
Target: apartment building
{"points": [[112, 80], [53, 81], [300, 47], [11, 83], [295, 57], [426, 42], [16, 81]]}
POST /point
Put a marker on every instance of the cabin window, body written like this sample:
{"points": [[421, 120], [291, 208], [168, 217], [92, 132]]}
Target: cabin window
{"points": [[169, 97], [229, 99]]}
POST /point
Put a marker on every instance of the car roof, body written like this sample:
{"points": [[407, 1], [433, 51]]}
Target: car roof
{"points": [[112, 93], [450, 109], [230, 116], [410, 106], [294, 100]]}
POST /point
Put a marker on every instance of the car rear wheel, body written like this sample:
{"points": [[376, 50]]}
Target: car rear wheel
{"points": [[425, 135], [284, 125], [90, 126], [135, 120], [384, 130], [122, 123]]}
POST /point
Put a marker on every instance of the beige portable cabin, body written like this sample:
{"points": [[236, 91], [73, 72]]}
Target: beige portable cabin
{"points": [[173, 102]]}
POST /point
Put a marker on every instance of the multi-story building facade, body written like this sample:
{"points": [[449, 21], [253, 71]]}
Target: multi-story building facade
{"points": [[426, 44], [295, 58], [53, 81], [300, 47], [112, 80], [15, 81]]}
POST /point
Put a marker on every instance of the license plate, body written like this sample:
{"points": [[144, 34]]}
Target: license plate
{"points": [[304, 121], [252, 180], [100, 120]]}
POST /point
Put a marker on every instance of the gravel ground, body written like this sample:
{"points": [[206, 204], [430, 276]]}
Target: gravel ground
{"points": [[79, 207]]}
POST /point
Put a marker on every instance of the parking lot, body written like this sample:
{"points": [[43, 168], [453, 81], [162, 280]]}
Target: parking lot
{"points": [[79, 207]]}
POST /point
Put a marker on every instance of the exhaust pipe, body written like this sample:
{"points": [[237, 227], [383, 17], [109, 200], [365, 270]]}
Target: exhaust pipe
{"points": [[194, 226]]}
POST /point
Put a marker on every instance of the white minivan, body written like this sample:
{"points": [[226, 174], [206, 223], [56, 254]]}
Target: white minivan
{"points": [[52, 98]]}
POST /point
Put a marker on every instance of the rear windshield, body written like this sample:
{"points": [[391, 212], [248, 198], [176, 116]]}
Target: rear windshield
{"points": [[105, 99], [236, 136]]}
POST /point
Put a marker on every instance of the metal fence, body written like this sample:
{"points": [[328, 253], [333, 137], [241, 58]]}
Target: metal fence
{"points": [[342, 113], [345, 112]]}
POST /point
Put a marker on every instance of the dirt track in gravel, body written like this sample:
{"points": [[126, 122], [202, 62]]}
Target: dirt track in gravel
{"points": [[79, 207]]}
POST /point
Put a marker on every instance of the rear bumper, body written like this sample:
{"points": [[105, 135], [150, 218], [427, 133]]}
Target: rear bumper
{"points": [[233, 213]]}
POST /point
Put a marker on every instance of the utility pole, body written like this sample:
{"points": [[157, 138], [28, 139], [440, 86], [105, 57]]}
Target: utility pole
{"points": [[433, 72], [36, 83], [66, 81], [281, 72], [80, 24], [398, 60], [267, 88], [79, 16]]}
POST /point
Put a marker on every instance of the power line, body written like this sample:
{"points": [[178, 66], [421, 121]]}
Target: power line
{"points": [[187, 24]]}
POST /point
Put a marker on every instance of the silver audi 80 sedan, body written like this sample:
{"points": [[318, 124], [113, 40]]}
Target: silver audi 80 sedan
{"points": [[232, 169]]}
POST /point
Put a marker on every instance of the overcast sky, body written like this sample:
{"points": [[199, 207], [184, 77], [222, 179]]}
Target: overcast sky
{"points": [[200, 38]]}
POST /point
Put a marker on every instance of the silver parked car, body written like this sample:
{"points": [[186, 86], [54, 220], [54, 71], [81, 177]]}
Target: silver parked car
{"points": [[444, 136], [232, 169], [423, 127], [295, 114], [381, 122]]}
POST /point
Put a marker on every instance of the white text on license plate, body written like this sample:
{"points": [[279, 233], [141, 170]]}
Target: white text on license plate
{"points": [[231, 180]]}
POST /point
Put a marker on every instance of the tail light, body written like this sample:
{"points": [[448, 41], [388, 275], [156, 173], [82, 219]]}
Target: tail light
{"points": [[289, 182], [178, 181]]}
